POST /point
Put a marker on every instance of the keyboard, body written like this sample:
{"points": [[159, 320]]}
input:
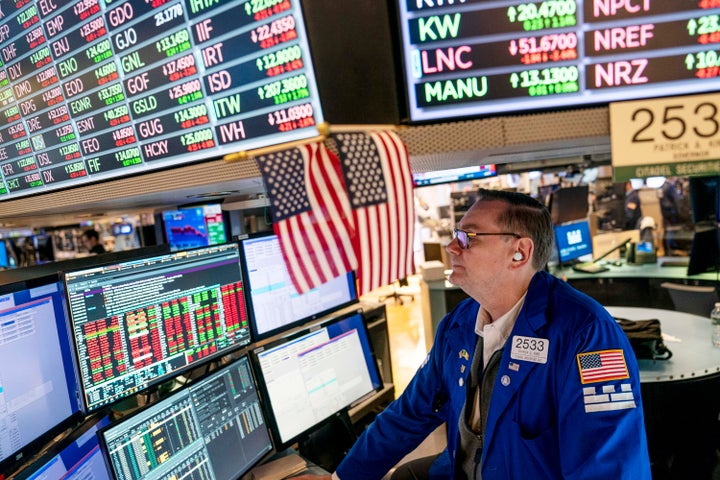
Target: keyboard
{"points": [[589, 268], [675, 263]]}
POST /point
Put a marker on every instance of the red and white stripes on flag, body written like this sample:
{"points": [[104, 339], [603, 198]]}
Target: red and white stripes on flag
{"points": [[602, 366], [376, 170], [311, 213]]}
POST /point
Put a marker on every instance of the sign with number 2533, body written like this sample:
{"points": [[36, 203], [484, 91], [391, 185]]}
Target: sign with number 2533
{"points": [[677, 136]]}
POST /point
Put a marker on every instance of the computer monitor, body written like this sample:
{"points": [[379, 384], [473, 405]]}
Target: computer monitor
{"points": [[569, 204], [274, 303], [573, 241], [213, 428], [76, 457], [196, 226], [44, 248], [705, 198], [4, 257], [139, 322], [52, 268], [310, 376], [705, 250], [545, 193], [39, 391]]}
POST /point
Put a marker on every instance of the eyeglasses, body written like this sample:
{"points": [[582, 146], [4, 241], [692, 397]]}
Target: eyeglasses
{"points": [[464, 237]]}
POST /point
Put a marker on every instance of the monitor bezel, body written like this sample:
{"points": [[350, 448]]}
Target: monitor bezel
{"points": [[156, 382], [19, 457], [294, 335], [256, 334], [216, 371]]}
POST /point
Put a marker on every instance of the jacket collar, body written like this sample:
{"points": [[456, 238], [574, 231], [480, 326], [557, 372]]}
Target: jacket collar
{"points": [[514, 372]]}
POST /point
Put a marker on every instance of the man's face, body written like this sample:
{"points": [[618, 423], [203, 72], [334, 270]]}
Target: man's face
{"points": [[88, 242], [477, 268]]}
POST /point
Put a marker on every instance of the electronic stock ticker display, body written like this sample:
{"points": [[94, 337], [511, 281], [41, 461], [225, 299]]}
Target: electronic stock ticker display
{"points": [[474, 57], [95, 89], [139, 322]]}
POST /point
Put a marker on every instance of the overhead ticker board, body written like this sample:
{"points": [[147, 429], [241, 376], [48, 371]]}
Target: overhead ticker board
{"points": [[466, 58], [95, 89]]}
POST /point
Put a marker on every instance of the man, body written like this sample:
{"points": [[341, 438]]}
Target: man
{"points": [[91, 240], [671, 207], [561, 374], [633, 211]]}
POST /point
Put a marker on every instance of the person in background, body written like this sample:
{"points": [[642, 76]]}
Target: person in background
{"points": [[533, 378], [91, 240], [633, 212], [671, 207]]}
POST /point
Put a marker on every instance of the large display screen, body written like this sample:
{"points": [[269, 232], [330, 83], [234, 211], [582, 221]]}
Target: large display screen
{"points": [[193, 227], [213, 429], [309, 377], [275, 305], [95, 89], [39, 390], [475, 57], [422, 179], [139, 322]]}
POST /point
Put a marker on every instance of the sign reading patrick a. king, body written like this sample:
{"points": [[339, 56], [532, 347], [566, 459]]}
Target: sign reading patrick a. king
{"points": [[676, 136]]}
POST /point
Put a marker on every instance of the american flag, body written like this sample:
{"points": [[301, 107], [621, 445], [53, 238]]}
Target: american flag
{"points": [[311, 213], [376, 169], [602, 366]]}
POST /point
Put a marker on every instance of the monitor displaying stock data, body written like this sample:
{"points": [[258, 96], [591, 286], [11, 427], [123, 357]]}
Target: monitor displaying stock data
{"points": [[275, 305], [310, 376], [39, 391], [139, 322], [196, 226], [97, 89], [478, 57], [212, 429]]}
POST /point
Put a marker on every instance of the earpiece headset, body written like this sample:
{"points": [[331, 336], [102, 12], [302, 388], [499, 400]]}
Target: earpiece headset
{"points": [[518, 256]]}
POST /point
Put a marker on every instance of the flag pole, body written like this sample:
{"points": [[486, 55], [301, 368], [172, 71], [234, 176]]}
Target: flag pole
{"points": [[361, 128], [324, 129], [248, 154]]}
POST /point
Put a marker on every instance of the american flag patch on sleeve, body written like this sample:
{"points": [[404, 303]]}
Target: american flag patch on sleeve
{"points": [[602, 366]]}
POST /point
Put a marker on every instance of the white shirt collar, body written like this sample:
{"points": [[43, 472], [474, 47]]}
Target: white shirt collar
{"points": [[496, 333]]}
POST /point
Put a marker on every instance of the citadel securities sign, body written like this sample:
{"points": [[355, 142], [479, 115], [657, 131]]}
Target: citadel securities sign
{"points": [[678, 136]]}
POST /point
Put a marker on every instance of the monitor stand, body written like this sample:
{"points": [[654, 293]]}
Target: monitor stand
{"points": [[328, 445]]}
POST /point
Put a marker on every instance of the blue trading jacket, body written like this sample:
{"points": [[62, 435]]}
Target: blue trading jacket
{"points": [[572, 411]]}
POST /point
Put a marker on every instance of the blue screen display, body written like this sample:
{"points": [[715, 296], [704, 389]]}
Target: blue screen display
{"points": [[79, 460], [573, 241], [3, 256], [38, 385]]}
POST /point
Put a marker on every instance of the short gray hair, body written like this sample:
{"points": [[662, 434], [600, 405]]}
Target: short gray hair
{"points": [[527, 217]]}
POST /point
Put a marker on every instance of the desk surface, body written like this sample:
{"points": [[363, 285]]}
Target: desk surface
{"points": [[688, 338], [648, 270]]}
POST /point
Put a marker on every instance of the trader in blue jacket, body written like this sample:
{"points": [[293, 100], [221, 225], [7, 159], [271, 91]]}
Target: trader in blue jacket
{"points": [[533, 378]]}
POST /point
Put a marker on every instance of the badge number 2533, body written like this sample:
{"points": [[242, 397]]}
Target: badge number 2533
{"points": [[530, 349]]}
